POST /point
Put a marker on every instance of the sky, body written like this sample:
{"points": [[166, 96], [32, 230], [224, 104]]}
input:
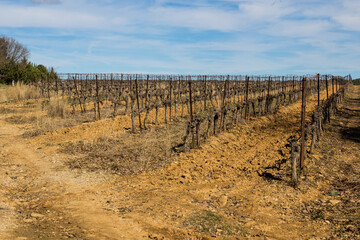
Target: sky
{"points": [[258, 37]]}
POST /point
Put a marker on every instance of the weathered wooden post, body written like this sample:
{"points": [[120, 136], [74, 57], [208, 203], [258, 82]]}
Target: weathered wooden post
{"points": [[137, 100], [327, 86], [318, 87], [191, 115], [294, 162], [147, 102], [97, 97], [327, 97], [293, 83], [222, 117], [268, 96], [246, 97], [170, 90], [303, 109], [205, 95]]}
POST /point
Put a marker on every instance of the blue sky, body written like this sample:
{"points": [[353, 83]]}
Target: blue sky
{"points": [[195, 36]]}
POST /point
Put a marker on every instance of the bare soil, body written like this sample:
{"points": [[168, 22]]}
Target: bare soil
{"points": [[95, 180]]}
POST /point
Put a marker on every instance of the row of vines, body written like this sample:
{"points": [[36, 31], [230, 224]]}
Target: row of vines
{"points": [[311, 132], [210, 104]]}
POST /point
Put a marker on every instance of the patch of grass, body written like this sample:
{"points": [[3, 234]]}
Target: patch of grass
{"points": [[333, 193], [211, 224], [318, 214], [20, 119], [56, 108], [4, 110], [18, 92], [126, 154], [44, 124]]}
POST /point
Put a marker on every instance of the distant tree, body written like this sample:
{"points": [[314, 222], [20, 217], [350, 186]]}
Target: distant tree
{"points": [[12, 51], [52, 73], [3, 50], [14, 64]]}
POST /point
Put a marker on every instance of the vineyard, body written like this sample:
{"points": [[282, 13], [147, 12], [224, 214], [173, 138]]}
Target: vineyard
{"points": [[183, 157], [212, 103]]}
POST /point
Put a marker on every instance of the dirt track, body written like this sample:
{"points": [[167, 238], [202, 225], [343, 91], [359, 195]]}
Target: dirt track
{"points": [[241, 176]]}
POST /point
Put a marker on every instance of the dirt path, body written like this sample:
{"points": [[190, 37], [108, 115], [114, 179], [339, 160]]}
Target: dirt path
{"points": [[42, 199], [236, 185]]}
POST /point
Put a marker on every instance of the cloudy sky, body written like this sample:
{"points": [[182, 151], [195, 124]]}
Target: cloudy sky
{"points": [[194, 36]]}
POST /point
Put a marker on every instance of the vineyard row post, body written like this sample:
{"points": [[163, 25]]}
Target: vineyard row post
{"points": [[170, 90], [327, 87], [191, 116], [318, 87], [137, 100], [303, 110], [97, 100], [246, 97], [327, 97]]}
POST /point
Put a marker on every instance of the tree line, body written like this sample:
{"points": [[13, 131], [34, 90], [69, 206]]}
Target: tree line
{"points": [[15, 66]]}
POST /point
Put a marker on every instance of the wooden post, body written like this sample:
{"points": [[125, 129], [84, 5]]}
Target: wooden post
{"points": [[97, 97], [332, 84], [205, 95], [268, 96], [327, 97], [318, 87], [246, 96], [170, 90], [147, 89], [137, 100], [294, 160], [223, 107], [327, 86], [293, 83], [303, 109], [191, 115]]}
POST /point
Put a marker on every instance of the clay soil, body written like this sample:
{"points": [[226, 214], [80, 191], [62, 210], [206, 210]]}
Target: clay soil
{"points": [[96, 180]]}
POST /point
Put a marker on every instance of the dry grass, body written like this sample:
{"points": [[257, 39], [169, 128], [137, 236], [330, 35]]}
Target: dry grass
{"points": [[126, 153], [20, 119], [53, 115], [5, 110], [18, 92], [42, 124], [57, 108]]}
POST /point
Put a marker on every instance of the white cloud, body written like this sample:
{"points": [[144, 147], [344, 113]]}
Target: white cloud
{"points": [[348, 22], [299, 28], [192, 36], [265, 10], [15, 16], [46, 1], [198, 19]]}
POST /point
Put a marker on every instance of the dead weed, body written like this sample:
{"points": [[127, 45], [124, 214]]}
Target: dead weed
{"points": [[18, 92], [126, 153]]}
